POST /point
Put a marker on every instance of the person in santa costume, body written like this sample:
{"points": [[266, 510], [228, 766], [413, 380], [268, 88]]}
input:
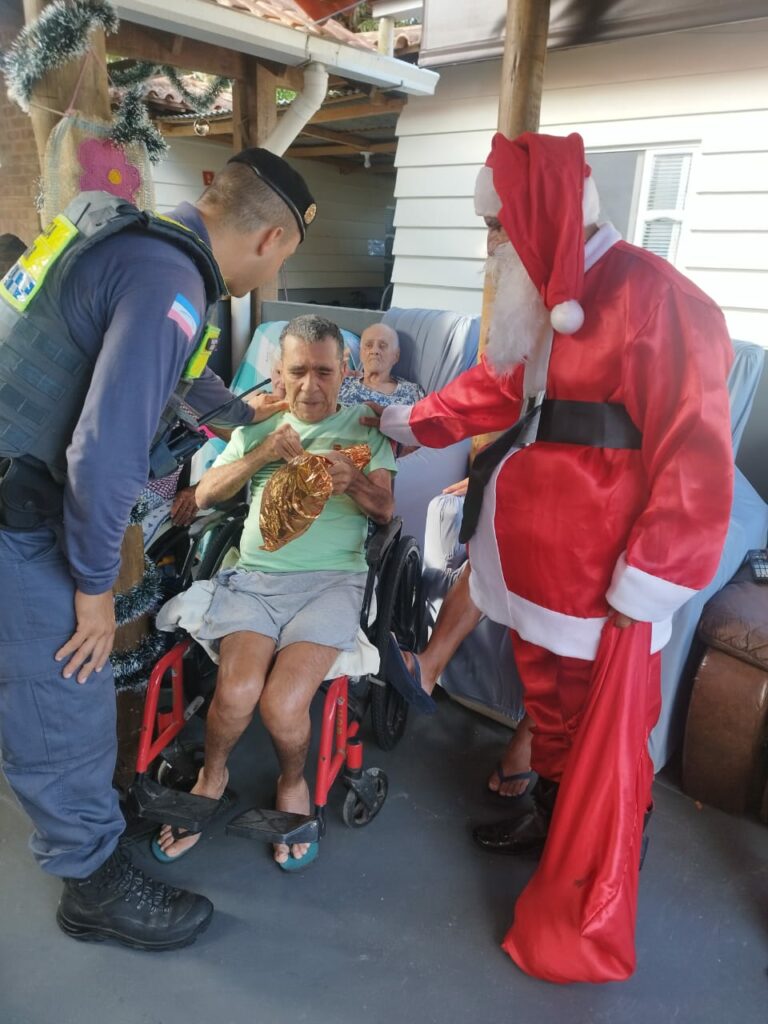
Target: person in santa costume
{"points": [[599, 513]]}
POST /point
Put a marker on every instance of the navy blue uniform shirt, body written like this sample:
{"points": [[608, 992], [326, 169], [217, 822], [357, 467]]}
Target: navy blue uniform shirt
{"points": [[137, 304]]}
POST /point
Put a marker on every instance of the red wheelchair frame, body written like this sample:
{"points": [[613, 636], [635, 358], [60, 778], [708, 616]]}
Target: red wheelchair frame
{"points": [[341, 749]]}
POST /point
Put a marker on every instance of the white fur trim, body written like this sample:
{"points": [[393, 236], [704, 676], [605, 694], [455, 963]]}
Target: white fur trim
{"points": [[394, 424], [598, 245], [590, 203], [566, 635], [487, 202], [567, 317], [641, 596]]}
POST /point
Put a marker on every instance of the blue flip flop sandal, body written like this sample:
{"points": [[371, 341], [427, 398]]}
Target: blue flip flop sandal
{"points": [[299, 863], [228, 797], [178, 833], [407, 683], [531, 776]]}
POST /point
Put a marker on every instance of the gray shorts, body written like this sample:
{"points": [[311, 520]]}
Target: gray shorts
{"points": [[290, 607]]}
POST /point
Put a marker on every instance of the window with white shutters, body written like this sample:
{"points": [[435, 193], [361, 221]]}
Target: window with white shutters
{"points": [[662, 201]]}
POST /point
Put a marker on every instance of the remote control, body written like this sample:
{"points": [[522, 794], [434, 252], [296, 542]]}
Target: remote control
{"points": [[758, 563]]}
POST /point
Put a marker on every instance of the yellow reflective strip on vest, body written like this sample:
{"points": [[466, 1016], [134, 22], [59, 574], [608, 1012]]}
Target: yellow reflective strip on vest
{"points": [[21, 283], [204, 349]]}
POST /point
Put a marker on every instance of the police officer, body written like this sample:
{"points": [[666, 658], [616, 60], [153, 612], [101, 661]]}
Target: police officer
{"points": [[101, 320]]}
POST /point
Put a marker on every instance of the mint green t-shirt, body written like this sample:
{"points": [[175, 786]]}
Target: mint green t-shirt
{"points": [[336, 539]]}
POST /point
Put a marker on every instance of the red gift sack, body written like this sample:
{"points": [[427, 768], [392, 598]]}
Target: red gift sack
{"points": [[575, 920]]}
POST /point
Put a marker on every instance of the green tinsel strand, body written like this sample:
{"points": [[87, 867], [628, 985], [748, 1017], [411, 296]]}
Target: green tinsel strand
{"points": [[133, 75], [132, 124], [139, 72], [139, 512], [131, 669], [58, 36], [142, 598], [202, 102]]}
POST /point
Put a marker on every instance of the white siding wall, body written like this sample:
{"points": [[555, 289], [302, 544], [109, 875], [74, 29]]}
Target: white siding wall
{"points": [[351, 210], [705, 90]]}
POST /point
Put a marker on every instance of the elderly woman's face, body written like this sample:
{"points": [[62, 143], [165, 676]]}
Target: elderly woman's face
{"points": [[379, 350]]}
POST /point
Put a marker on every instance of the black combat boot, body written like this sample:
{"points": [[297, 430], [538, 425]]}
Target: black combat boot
{"points": [[118, 901], [526, 831]]}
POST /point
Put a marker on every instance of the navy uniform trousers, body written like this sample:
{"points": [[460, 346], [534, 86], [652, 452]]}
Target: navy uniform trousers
{"points": [[57, 737]]}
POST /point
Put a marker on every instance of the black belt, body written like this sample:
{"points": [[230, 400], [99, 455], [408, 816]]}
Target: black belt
{"points": [[595, 424]]}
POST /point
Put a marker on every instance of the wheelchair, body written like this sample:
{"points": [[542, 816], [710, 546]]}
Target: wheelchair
{"points": [[182, 683]]}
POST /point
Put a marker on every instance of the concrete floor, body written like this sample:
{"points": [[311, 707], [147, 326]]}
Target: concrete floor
{"points": [[400, 921]]}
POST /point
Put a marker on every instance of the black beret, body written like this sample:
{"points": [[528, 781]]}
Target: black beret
{"points": [[282, 179]]}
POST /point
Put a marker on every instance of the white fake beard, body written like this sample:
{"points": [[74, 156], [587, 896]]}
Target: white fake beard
{"points": [[519, 319]]}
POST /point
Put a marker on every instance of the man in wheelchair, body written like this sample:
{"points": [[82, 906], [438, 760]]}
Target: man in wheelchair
{"points": [[280, 618]]}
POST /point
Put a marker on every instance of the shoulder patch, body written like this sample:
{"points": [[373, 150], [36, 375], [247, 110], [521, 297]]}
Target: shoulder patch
{"points": [[184, 314]]}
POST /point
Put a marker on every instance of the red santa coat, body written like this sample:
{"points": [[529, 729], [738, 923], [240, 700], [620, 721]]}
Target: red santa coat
{"points": [[567, 530]]}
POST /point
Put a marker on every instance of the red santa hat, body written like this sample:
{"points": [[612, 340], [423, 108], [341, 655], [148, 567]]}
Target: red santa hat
{"points": [[540, 188]]}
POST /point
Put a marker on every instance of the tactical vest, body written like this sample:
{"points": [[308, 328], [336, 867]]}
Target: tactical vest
{"points": [[44, 375]]}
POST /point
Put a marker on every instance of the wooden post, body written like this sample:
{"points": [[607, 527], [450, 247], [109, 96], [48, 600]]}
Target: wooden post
{"points": [[254, 117], [522, 70], [56, 89], [522, 81]]}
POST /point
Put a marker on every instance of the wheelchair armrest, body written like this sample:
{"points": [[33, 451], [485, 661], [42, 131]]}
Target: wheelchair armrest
{"points": [[382, 540], [205, 523]]}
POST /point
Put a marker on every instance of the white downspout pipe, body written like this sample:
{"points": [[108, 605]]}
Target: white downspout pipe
{"points": [[301, 110]]}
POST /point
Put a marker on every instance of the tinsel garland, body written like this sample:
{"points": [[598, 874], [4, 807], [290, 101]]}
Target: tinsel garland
{"points": [[139, 512], [132, 124], [58, 36], [142, 598], [139, 72], [131, 669]]}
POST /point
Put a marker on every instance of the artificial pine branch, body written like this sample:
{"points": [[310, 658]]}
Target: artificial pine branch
{"points": [[142, 598], [139, 72], [132, 124], [131, 669], [58, 36]]}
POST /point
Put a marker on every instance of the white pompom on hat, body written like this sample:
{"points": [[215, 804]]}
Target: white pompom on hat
{"points": [[542, 191]]}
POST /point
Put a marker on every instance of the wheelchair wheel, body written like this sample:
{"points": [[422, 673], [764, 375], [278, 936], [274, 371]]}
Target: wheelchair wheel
{"points": [[182, 774], [220, 544], [354, 812], [400, 612]]}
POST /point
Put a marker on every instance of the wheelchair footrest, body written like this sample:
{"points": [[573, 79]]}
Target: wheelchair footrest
{"points": [[172, 807], [275, 826]]}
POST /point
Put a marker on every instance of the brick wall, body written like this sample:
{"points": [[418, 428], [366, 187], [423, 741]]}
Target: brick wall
{"points": [[19, 165]]}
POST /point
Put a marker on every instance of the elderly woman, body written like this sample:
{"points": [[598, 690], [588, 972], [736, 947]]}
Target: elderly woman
{"points": [[379, 351]]}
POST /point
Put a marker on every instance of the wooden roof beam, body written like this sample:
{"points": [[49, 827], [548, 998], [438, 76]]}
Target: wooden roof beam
{"points": [[135, 42], [351, 111], [356, 142], [186, 129], [314, 152]]}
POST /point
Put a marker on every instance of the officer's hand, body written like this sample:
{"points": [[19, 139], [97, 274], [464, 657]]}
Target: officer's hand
{"points": [[264, 405], [92, 642], [458, 489], [620, 620], [184, 507], [283, 443], [342, 471], [373, 421]]}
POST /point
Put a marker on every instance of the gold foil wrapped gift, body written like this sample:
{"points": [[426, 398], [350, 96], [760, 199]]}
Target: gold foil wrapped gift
{"points": [[296, 494]]}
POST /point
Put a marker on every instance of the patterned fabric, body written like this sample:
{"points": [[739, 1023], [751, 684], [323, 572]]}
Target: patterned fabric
{"points": [[355, 392]]}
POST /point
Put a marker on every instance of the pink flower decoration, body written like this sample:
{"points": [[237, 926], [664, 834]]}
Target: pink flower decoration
{"points": [[106, 169]]}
